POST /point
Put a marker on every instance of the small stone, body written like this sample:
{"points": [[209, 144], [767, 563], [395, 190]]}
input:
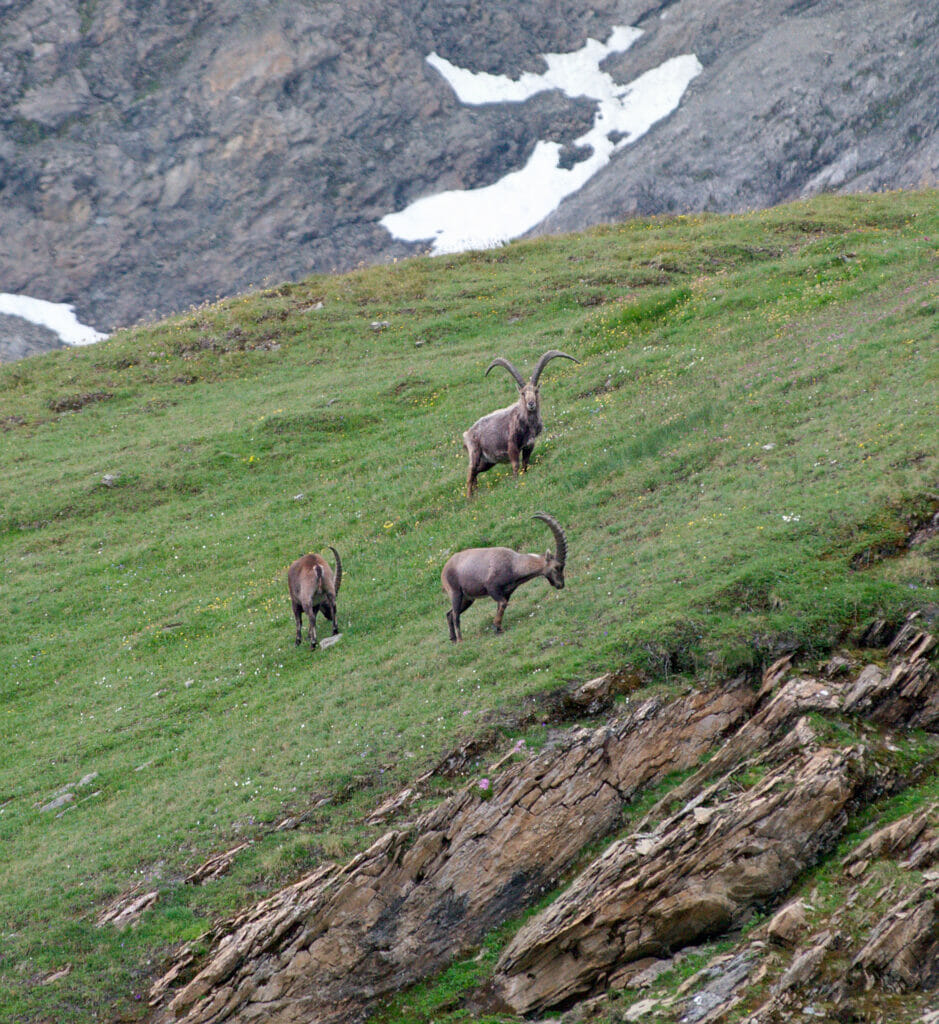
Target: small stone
{"points": [[126, 910], [215, 866], [595, 690], [806, 965], [836, 665], [640, 1011], [392, 805], [787, 924], [330, 640], [59, 801], [57, 975], [110, 479], [901, 953]]}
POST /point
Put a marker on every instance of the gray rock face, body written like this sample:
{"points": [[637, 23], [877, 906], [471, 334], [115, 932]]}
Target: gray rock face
{"points": [[20, 338], [155, 155], [802, 98]]}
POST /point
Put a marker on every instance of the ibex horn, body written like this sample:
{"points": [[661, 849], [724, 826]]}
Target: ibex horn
{"points": [[499, 361], [545, 359], [338, 567], [559, 536]]}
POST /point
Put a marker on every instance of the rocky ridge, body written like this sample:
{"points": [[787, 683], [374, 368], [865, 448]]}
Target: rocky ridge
{"points": [[795, 762], [154, 156]]}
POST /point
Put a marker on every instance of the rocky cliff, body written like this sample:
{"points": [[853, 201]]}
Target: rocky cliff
{"points": [[795, 761], [155, 155]]}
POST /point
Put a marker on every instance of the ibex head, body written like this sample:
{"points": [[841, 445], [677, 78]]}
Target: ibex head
{"points": [[554, 563], [528, 391]]}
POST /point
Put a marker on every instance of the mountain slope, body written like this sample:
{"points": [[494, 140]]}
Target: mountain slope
{"points": [[744, 462]]}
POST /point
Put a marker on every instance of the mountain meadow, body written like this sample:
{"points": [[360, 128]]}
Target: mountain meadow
{"points": [[739, 460]]}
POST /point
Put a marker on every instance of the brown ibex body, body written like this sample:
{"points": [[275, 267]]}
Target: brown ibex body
{"points": [[508, 435], [314, 588], [497, 573]]}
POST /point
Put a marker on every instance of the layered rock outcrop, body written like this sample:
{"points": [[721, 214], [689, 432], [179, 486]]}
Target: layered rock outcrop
{"points": [[326, 947], [774, 798], [696, 878]]}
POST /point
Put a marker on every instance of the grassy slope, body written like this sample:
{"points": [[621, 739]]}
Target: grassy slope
{"points": [[756, 408]]}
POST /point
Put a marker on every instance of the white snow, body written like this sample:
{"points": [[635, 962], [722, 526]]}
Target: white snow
{"points": [[56, 316], [484, 217], [575, 74]]}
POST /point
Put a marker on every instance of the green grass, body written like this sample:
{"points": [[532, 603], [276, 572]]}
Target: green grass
{"points": [[748, 440]]}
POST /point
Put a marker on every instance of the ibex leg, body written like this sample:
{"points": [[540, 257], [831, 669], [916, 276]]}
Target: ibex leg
{"points": [[311, 615], [473, 454], [298, 616], [513, 457], [459, 605]]}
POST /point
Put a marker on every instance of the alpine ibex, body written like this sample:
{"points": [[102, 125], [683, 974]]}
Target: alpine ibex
{"points": [[497, 572], [508, 433], [314, 588]]}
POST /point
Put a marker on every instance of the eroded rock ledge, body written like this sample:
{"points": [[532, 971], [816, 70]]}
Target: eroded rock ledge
{"points": [[326, 948]]}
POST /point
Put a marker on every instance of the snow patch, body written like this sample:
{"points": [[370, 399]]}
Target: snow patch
{"points": [[56, 316], [575, 74], [481, 218]]}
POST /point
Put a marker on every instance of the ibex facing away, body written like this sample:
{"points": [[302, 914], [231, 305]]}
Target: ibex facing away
{"points": [[314, 588], [508, 434], [496, 573]]}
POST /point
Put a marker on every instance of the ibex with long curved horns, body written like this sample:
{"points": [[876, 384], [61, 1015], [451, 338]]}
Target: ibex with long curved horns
{"points": [[497, 573], [314, 588], [508, 435]]}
